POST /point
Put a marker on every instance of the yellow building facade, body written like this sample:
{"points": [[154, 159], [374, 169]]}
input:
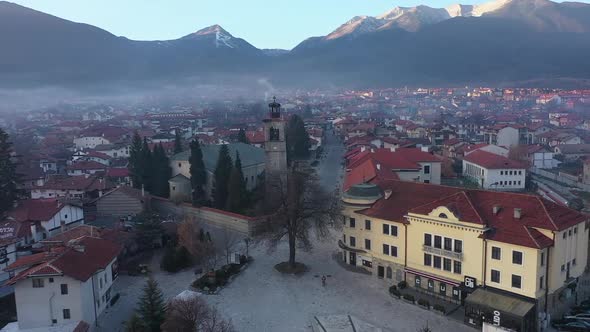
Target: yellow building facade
{"points": [[448, 243]]}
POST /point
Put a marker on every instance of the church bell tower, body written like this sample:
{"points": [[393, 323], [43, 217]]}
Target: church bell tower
{"points": [[275, 145]]}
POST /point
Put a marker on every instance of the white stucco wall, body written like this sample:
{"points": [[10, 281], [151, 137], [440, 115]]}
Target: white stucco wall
{"points": [[496, 179], [89, 142], [69, 214]]}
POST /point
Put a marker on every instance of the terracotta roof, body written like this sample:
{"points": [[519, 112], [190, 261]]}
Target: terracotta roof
{"points": [[36, 209], [492, 161], [77, 183], [9, 230], [403, 158], [367, 171], [86, 165], [118, 172], [476, 206], [80, 261], [255, 137]]}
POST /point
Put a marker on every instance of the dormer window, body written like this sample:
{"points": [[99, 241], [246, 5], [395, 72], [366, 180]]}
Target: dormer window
{"points": [[443, 215]]}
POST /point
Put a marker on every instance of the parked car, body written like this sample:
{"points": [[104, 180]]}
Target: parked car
{"points": [[569, 324]]}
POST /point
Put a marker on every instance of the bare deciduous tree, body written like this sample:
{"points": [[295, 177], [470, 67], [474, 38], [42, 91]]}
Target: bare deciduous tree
{"points": [[194, 315], [229, 241], [303, 207]]}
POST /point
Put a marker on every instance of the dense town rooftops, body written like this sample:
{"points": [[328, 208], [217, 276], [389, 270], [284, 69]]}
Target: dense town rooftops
{"points": [[76, 183], [506, 217], [36, 209], [490, 160]]}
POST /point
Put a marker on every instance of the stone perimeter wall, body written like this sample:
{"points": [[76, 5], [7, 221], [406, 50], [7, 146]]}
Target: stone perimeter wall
{"points": [[245, 225]]}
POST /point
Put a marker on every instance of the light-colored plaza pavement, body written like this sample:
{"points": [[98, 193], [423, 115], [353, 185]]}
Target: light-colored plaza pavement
{"points": [[262, 299]]}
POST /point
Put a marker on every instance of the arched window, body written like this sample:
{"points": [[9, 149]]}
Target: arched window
{"points": [[442, 215], [389, 273]]}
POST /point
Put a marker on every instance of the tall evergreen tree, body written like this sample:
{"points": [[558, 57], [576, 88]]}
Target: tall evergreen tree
{"points": [[242, 138], [222, 174], [146, 166], [198, 173], [152, 309], [177, 142], [135, 155], [162, 172], [298, 142], [237, 192], [8, 177]]}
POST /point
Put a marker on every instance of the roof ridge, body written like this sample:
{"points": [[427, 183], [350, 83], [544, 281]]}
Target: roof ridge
{"points": [[547, 213], [473, 207], [526, 228]]}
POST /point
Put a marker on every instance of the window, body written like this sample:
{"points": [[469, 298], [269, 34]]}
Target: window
{"points": [[457, 267], [367, 224], [426, 181], [541, 282], [38, 283], [574, 261], [516, 257], [542, 259], [575, 230], [352, 223], [66, 313], [428, 240], [501, 172], [352, 244], [64, 289], [496, 276], [458, 246], [65, 216], [437, 262], [564, 235], [394, 251], [179, 165], [393, 230], [438, 242], [426, 169], [448, 244], [386, 249], [427, 259], [50, 280], [385, 229], [519, 173], [447, 264], [367, 244], [569, 232], [389, 273], [496, 253], [516, 281]]}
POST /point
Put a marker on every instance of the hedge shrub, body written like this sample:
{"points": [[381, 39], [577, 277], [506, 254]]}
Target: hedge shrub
{"points": [[424, 303], [440, 308], [402, 284], [409, 297]]}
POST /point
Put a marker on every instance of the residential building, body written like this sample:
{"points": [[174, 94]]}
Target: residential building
{"points": [[461, 245], [85, 168], [491, 171], [572, 151], [66, 284], [122, 201], [72, 187]]}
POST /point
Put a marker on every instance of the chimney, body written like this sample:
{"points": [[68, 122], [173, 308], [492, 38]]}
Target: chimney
{"points": [[379, 167], [424, 149], [517, 213], [496, 209], [372, 150], [62, 225], [363, 149], [392, 148], [79, 248]]}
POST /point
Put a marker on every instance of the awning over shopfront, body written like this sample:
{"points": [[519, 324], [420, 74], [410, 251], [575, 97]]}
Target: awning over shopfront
{"points": [[499, 309], [433, 277], [507, 304]]}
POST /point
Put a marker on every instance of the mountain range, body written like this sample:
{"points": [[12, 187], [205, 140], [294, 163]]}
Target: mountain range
{"points": [[500, 42]]}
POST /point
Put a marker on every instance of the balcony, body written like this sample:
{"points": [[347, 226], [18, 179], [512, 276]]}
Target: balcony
{"points": [[442, 252]]}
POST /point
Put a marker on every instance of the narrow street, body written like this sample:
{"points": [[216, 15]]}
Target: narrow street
{"points": [[330, 168]]}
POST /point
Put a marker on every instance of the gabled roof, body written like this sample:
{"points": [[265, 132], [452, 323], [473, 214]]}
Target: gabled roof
{"points": [[80, 261], [490, 160], [36, 209], [86, 165], [477, 207], [76, 183]]}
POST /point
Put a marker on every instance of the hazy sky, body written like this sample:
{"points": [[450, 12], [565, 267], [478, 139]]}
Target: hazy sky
{"points": [[264, 23]]}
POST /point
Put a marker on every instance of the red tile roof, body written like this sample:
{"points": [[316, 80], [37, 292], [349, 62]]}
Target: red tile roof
{"points": [[118, 172], [492, 161], [77, 183], [80, 261], [367, 171], [86, 165], [476, 206], [36, 209]]}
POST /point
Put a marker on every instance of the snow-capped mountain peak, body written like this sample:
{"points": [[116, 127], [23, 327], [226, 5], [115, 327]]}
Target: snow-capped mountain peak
{"points": [[222, 37], [356, 26]]}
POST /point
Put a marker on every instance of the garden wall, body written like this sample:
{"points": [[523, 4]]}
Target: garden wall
{"points": [[248, 226]]}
